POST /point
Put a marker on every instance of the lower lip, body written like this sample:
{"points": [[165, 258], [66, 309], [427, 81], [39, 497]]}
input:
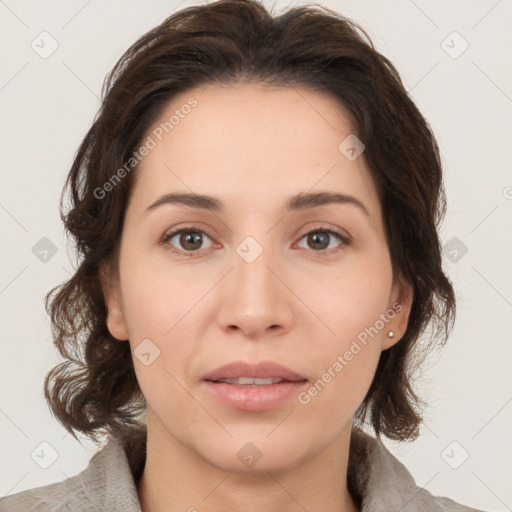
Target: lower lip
{"points": [[253, 398]]}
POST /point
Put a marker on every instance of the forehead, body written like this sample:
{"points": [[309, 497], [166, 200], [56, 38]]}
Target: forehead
{"points": [[246, 141]]}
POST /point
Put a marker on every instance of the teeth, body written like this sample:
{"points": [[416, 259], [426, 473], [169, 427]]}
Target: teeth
{"points": [[249, 381]]}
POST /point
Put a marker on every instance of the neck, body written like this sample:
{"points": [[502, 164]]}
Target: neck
{"points": [[176, 478]]}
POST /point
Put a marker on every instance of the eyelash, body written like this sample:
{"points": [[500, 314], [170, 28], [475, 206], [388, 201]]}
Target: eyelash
{"points": [[346, 241]]}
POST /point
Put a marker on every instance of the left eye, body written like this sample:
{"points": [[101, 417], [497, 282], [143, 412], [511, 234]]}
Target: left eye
{"points": [[322, 238]]}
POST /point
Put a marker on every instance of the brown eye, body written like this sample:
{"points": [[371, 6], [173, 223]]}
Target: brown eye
{"points": [[318, 240], [321, 240], [187, 240]]}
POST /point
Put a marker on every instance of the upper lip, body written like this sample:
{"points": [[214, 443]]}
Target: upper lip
{"points": [[262, 370]]}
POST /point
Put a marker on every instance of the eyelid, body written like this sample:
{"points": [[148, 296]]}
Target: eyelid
{"points": [[322, 226]]}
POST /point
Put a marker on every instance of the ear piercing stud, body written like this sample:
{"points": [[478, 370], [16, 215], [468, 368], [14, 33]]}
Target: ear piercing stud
{"points": [[391, 334]]}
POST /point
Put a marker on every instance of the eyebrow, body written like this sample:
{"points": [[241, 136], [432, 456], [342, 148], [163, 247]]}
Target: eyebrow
{"points": [[298, 202]]}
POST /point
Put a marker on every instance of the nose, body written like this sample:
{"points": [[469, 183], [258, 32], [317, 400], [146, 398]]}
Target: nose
{"points": [[256, 298]]}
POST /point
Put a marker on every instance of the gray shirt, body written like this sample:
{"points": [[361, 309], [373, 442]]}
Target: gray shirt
{"points": [[107, 484]]}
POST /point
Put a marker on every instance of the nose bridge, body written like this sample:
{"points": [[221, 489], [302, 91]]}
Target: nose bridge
{"points": [[257, 298], [252, 274]]}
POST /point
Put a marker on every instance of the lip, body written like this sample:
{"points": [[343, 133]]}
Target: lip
{"points": [[263, 369], [253, 398]]}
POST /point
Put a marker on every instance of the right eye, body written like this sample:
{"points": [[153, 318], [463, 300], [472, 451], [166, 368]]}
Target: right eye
{"points": [[190, 239]]}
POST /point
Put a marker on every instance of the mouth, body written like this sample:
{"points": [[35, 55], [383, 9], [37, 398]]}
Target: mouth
{"points": [[253, 381], [253, 396], [237, 370], [256, 387]]}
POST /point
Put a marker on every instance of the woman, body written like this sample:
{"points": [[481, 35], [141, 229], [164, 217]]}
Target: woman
{"points": [[256, 207]]}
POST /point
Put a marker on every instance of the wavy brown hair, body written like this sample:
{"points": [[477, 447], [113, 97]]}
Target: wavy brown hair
{"points": [[95, 390]]}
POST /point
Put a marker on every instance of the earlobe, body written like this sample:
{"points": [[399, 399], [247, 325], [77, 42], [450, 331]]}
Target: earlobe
{"points": [[117, 326], [115, 318], [401, 304]]}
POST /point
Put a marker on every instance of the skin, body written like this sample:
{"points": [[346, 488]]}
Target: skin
{"points": [[252, 147]]}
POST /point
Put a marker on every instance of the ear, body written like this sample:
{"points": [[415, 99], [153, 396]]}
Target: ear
{"points": [[116, 323], [402, 296]]}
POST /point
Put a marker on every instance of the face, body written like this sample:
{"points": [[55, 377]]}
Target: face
{"points": [[310, 288]]}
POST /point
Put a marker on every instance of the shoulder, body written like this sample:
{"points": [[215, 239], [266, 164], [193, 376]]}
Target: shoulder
{"points": [[58, 496], [106, 484], [384, 483]]}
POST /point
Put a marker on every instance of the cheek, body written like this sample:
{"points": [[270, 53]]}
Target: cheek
{"points": [[156, 299], [345, 365], [348, 300], [158, 310], [159, 306], [352, 306], [337, 401]]}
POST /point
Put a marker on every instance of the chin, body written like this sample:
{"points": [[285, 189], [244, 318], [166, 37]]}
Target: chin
{"points": [[254, 454]]}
